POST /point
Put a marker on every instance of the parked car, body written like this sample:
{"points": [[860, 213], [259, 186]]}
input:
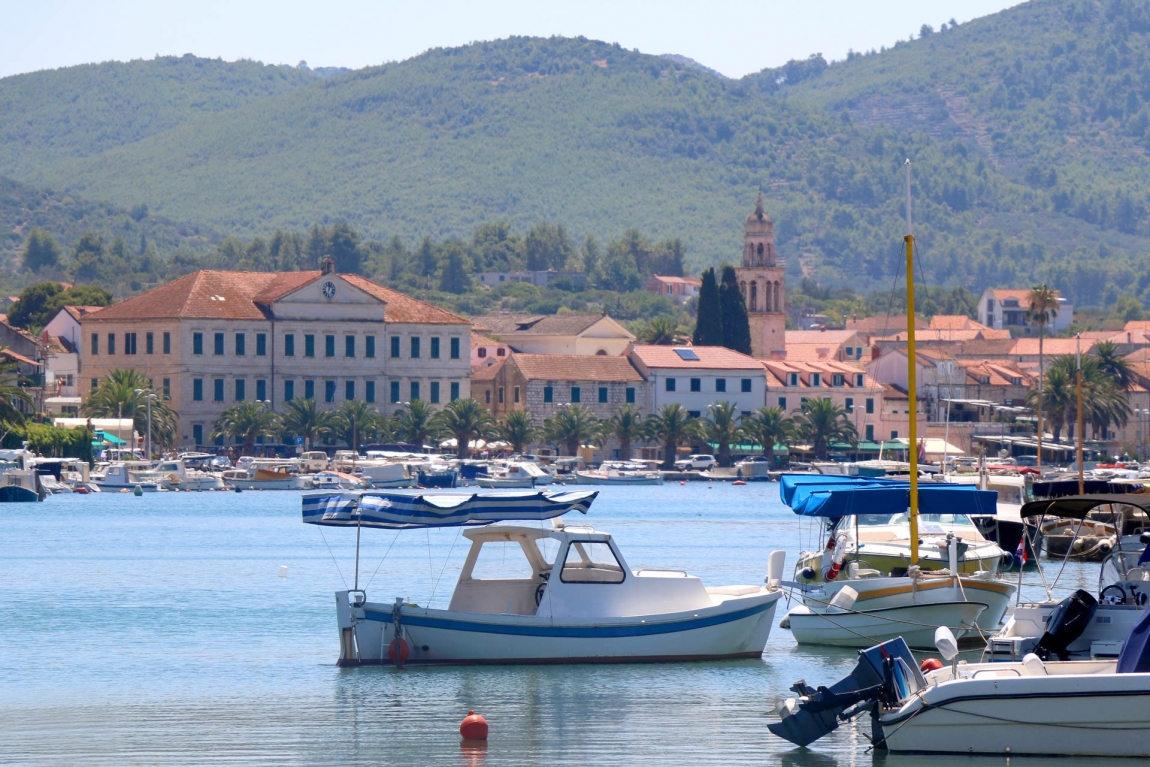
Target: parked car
{"points": [[696, 462], [313, 461]]}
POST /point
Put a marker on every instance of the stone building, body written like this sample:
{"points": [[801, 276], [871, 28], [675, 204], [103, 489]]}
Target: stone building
{"points": [[762, 281]]}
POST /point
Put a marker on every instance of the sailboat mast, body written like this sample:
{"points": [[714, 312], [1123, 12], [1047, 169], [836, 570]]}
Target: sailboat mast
{"points": [[911, 383]]}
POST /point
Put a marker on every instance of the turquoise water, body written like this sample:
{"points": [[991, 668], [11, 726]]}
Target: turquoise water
{"points": [[157, 630]]}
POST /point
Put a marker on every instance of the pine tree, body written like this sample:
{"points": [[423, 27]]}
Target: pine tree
{"points": [[454, 277], [40, 251], [736, 325], [709, 326]]}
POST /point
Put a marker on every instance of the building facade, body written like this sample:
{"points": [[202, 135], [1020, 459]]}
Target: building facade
{"points": [[762, 281], [213, 338], [698, 376], [587, 334], [1005, 309]]}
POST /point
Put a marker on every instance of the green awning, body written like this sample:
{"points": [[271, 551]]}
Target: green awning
{"points": [[868, 446], [899, 446], [103, 436]]}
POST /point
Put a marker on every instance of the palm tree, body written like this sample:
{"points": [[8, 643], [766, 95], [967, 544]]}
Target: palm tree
{"points": [[467, 420], [722, 428], [356, 421], [246, 422], [1043, 308], [662, 331], [768, 426], [303, 418], [822, 422], [1059, 396], [627, 426], [1112, 364], [416, 424], [123, 393], [518, 429], [673, 426], [572, 425], [11, 393]]}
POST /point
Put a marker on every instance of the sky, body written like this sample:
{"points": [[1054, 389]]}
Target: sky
{"points": [[735, 38]]}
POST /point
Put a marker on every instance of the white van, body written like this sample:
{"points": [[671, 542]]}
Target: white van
{"points": [[313, 461]]}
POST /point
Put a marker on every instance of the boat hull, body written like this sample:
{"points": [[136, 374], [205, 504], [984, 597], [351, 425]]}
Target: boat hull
{"points": [[915, 624], [737, 628], [591, 479], [1095, 714], [17, 494], [882, 593], [495, 482]]}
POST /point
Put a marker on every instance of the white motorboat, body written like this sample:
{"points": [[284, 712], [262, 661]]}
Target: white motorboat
{"points": [[511, 475], [19, 482], [176, 475], [619, 473], [1027, 707], [267, 475], [573, 598], [128, 475]]}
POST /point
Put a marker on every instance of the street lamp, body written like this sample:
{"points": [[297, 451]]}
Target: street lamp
{"points": [[148, 397]]}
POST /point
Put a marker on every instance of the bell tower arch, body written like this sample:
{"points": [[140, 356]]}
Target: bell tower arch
{"points": [[764, 285]]}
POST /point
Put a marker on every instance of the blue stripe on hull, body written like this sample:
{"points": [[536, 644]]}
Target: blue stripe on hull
{"points": [[589, 632]]}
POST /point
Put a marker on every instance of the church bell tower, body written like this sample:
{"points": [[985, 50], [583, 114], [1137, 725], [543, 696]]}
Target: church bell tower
{"points": [[763, 284]]}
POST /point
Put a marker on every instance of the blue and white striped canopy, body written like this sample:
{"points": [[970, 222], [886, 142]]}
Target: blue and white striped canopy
{"points": [[397, 510]]}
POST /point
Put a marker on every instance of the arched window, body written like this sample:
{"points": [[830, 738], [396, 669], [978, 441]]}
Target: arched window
{"points": [[601, 353], [778, 296], [754, 296], [759, 262]]}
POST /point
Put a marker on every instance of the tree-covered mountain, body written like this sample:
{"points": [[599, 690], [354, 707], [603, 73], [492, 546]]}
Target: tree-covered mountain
{"points": [[1028, 131]]}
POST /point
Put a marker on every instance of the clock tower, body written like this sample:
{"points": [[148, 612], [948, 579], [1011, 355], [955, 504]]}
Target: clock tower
{"points": [[763, 285]]}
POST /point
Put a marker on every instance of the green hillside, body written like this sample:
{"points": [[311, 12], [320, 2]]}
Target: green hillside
{"points": [[1028, 132]]}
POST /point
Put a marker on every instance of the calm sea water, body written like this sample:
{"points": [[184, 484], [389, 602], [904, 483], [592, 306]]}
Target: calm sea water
{"points": [[157, 630]]}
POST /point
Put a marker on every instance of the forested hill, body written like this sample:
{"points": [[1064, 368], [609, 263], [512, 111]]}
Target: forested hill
{"points": [[1028, 132]]}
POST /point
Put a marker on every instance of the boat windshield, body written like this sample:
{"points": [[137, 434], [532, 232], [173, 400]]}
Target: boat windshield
{"points": [[882, 520]]}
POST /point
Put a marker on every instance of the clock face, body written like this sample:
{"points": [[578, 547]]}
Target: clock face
{"points": [[329, 289]]}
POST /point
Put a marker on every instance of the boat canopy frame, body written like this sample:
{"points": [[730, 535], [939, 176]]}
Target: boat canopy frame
{"points": [[1078, 506]]}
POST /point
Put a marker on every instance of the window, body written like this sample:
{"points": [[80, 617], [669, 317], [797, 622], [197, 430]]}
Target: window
{"points": [[870, 432], [602, 394], [95, 384], [198, 434], [149, 343], [241, 389], [696, 384], [670, 384], [395, 391], [482, 352], [329, 391], [261, 389], [455, 348], [694, 413], [869, 405], [369, 391], [838, 379], [576, 394], [720, 384], [435, 347], [289, 344], [631, 394], [588, 562], [415, 389], [349, 390], [167, 342], [197, 343], [329, 346], [289, 391], [349, 346], [792, 379], [415, 348], [454, 390], [850, 351], [548, 394], [167, 388], [816, 379], [435, 392], [783, 404], [849, 404], [111, 343], [219, 344], [516, 394], [129, 343], [746, 385], [369, 347], [261, 344], [487, 397], [241, 344], [308, 345], [500, 352], [197, 389], [894, 433], [95, 343], [395, 347], [858, 379], [500, 395], [218, 387], [309, 389]]}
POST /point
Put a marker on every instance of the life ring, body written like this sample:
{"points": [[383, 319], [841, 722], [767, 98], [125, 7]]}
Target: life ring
{"points": [[833, 556], [398, 651]]}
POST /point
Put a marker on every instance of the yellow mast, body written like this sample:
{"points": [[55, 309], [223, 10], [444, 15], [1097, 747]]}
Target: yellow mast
{"points": [[911, 383], [1078, 396]]}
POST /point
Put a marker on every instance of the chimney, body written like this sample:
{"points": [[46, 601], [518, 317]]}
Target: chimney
{"points": [[823, 352], [778, 355], [875, 351]]}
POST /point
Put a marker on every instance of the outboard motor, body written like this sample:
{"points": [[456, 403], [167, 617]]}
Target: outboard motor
{"points": [[885, 672], [1067, 622]]}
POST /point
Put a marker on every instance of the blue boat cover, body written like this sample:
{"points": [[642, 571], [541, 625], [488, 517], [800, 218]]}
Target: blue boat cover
{"points": [[1135, 655], [815, 495], [396, 510]]}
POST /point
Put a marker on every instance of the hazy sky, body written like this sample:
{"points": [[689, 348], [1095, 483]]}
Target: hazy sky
{"points": [[732, 37]]}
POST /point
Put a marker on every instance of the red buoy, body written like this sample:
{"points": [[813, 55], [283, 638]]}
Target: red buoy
{"points": [[398, 651], [474, 727], [739, 482], [930, 664]]}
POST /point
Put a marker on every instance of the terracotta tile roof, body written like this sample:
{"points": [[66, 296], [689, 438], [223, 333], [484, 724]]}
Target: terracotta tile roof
{"points": [[1136, 325], [478, 339], [985, 348], [893, 392], [810, 352], [404, 308], [822, 337], [882, 323], [284, 283], [955, 322], [536, 324], [710, 357], [996, 373], [574, 367], [934, 335], [678, 280], [79, 312], [11, 355], [1051, 347], [487, 372]]}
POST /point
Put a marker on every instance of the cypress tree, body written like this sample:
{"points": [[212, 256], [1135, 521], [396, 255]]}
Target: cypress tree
{"points": [[709, 326], [736, 325]]}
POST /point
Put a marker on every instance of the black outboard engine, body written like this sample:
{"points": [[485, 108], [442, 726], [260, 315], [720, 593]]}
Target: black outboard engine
{"points": [[1067, 622]]}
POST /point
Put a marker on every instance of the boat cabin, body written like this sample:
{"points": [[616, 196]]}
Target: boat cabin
{"points": [[563, 571]]}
